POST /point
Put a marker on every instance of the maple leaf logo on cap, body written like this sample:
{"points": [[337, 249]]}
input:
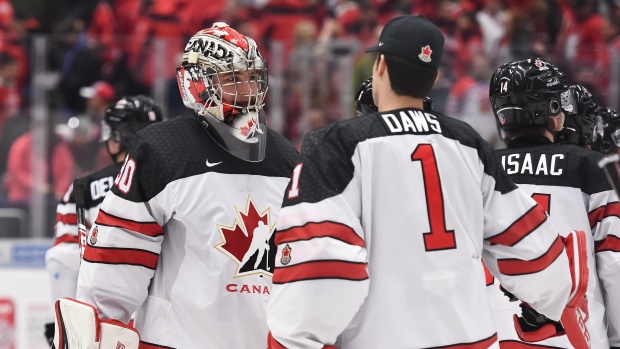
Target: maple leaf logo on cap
{"points": [[247, 240], [425, 55]]}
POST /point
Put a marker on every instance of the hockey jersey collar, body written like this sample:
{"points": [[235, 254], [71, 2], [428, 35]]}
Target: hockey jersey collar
{"points": [[528, 141]]}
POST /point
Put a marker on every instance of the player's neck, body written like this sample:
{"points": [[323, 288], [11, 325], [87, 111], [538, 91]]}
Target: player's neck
{"points": [[393, 102]]}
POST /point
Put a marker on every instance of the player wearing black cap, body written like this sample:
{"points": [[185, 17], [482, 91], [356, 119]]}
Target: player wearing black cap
{"points": [[387, 216], [533, 103], [364, 104]]}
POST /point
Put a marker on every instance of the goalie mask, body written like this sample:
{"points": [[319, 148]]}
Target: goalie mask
{"points": [[223, 78]]}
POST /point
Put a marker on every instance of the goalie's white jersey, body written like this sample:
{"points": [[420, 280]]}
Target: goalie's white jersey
{"points": [[567, 182], [184, 238], [382, 232]]}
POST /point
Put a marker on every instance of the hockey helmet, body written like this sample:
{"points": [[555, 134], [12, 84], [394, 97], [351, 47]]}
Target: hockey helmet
{"points": [[365, 104], [126, 117], [529, 92], [580, 126], [223, 78]]}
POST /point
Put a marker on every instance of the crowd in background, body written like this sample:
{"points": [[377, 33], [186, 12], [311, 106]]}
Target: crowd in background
{"points": [[98, 51]]}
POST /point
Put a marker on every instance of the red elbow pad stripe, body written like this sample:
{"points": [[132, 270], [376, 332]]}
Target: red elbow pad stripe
{"points": [[311, 230], [147, 228], [521, 267], [481, 344], [321, 270], [611, 243], [66, 218], [521, 228], [67, 238], [610, 210], [111, 255]]}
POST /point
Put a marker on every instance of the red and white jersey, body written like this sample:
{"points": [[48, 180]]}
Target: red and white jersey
{"points": [[382, 232], [185, 238], [62, 260], [566, 181]]}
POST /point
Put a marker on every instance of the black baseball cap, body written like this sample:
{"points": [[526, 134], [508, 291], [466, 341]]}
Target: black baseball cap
{"points": [[413, 38]]}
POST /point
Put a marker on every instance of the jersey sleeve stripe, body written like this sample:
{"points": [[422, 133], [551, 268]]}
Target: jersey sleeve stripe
{"points": [[147, 345], [66, 218], [481, 344], [520, 228], [513, 266], [612, 209], [111, 255], [147, 228], [610, 243], [513, 344], [313, 230], [67, 238], [326, 269]]}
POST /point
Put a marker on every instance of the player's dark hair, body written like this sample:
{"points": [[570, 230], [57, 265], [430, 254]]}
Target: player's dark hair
{"points": [[409, 78], [6, 58]]}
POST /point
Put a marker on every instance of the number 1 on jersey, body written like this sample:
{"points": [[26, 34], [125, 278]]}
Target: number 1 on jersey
{"points": [[438, 238]]}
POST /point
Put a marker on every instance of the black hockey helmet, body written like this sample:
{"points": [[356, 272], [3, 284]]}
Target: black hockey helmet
{"points": [[579, 126], [529, 92], [607, 141], [365, 104], [127, 116]]}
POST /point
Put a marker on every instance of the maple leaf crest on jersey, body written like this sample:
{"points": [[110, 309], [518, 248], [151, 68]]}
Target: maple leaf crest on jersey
{"points": [[249, 240]]}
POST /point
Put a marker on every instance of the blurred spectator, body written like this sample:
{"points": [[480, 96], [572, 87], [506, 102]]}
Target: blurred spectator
{"points": [[80, 65], [469, 100], [585, 49], [492, 23], [611, 32], [57, 168], [9, 94], [98, 96]]}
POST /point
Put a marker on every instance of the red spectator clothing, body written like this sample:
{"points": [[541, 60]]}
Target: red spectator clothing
{"points": [[127, 13], [9, 102], [19, 180], [590, 40]]}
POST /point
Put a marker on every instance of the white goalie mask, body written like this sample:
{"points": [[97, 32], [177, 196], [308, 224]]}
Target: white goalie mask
{"points": [[223, 78]]}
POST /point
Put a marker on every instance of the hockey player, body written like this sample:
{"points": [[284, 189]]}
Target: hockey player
{"points": [[387, 216], [580, 125], [173, 232], [530, 99], [62, 261]]}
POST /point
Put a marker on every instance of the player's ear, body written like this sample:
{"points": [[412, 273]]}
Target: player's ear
{"points": [[381, 65]]}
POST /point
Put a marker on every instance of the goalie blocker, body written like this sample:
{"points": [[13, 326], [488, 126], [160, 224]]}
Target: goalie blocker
{"points": [[77, 326], [534, 327]]}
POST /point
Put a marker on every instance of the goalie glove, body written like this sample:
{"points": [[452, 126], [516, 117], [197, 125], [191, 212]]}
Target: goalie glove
{"points": [[533, 326], [78, 326]]}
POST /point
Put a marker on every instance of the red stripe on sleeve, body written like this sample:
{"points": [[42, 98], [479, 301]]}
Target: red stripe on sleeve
{"points": [[311, 230], [512, 344], [521, 267], [521, 228], [321, 270], [66, 218], [110, 255], [67, 238], [150, 229], [610, 243], [612, 209]]}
